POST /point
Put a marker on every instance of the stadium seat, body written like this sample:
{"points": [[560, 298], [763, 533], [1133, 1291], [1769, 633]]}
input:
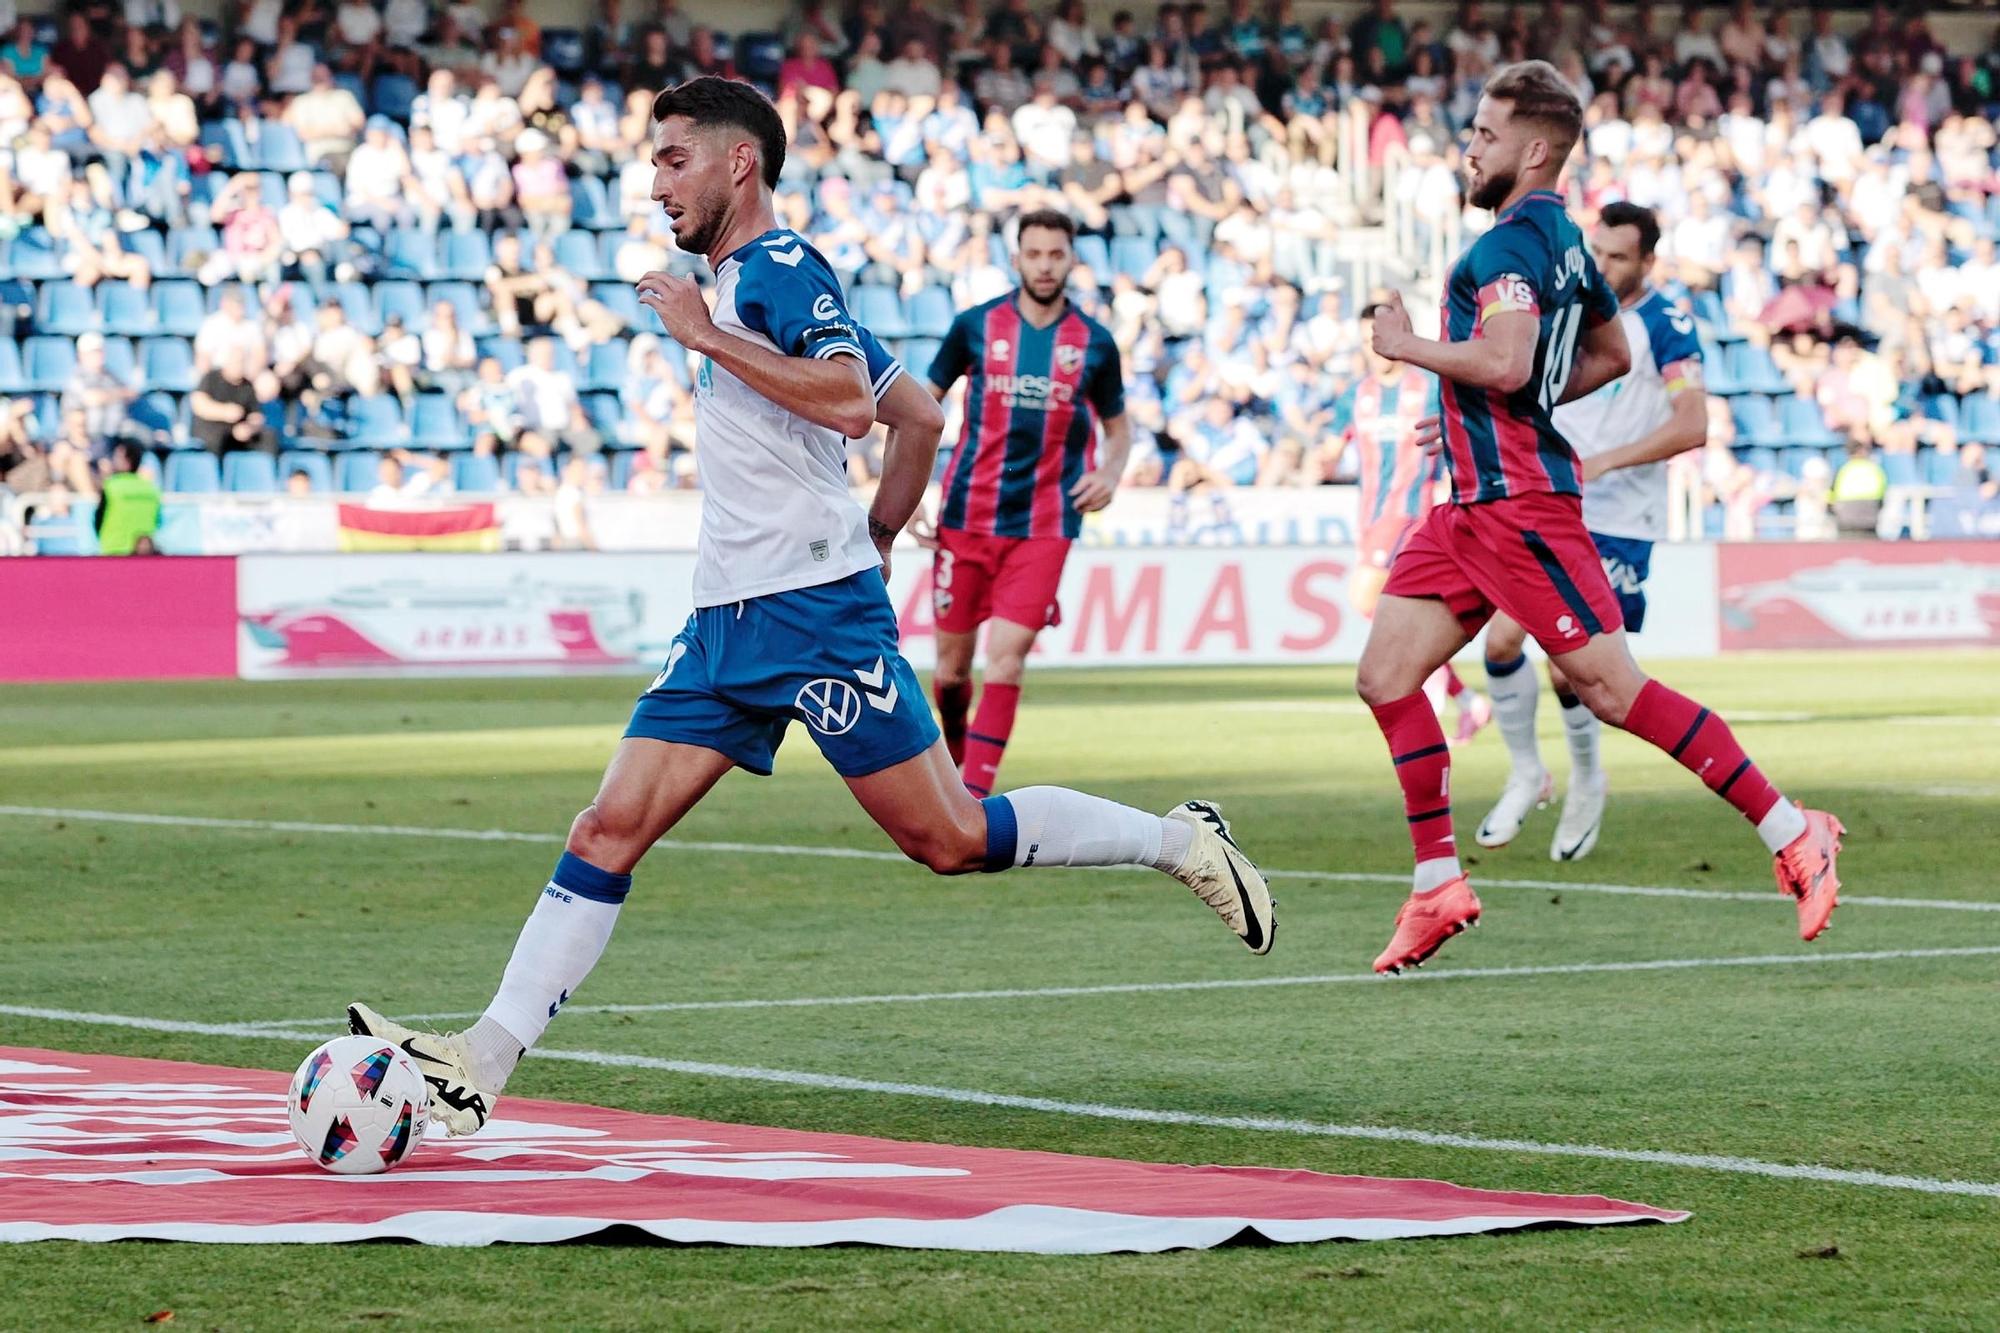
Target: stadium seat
{"points": [[161, 420], [1801, 423], [249, 473], [1760, 460], [1979, 419], [1940, 466], [435, 423], [178, 308], [464, 298], [1900, 468], [376, 422], [17, 295], [476, 473], [225, 142], [1133, 256], [621, 467], [12, 380], [278, 148], [192, 471], [35, 255], [151, 247], [511, 469], [606, 413], [606, 369], [1756, 420], [393, 94], [623, 302], [49, 363], [412, 254], [398, 297], [127, 310], [931, 313], [120, 362], [186, 246], [318, 470], [357, 299], [590, 206], [916, 354], [168, 363], [1094, 254], [562, 48], [880, 311], [1941, 407], [1755, 371], [466, 257], [356, 471], [760, 55], [68, 309], [576, 252]]}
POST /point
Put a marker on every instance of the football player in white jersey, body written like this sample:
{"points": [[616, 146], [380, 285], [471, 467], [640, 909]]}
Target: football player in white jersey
{"points": [[792, 617], [1625, 432]]}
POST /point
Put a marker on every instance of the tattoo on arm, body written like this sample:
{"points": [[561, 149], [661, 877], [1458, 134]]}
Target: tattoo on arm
{"points": [[880, 532]]}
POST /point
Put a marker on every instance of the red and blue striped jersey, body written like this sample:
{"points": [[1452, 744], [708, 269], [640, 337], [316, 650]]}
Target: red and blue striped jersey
{"points": [[1533, 260], [1030, 433], [1380, 418]]}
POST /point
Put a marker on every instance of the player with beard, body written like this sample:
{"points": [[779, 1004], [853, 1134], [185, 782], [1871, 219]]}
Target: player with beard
{"points": [[1043, 377], [1528, 323], [1624, 433], [792, 617]]}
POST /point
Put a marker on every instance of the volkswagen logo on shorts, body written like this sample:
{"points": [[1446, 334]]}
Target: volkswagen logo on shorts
{"points": [[830, 707]]}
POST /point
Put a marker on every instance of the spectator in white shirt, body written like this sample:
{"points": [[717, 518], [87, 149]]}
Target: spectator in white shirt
{"points": [[404, 22], [440, 109], [310, 229], [379, 182], [358, 23], [1045, 128]]}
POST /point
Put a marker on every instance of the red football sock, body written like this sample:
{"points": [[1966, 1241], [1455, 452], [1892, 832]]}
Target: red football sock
{"points": [[1423, 766], [1703, 744], [987, 739], [953, 702], [1453, 686]]}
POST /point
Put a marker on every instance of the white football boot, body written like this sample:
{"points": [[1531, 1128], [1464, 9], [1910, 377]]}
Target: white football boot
{"points": [[1224, 878], [1582, 817], [457, 1101], [1523, 794]]}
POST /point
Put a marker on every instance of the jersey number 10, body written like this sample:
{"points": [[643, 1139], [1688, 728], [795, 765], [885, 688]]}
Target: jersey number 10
{"points": [[1560, 354]]}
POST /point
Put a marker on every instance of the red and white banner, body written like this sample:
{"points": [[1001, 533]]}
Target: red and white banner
{"points": [[1859, 595], [97, 1147]]}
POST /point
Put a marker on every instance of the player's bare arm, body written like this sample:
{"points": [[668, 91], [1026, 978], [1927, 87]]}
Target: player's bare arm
{"points": [[1502, 360], [1094, 489], [831, 392], [1686, 429], [915, 425], [1602, 356]]}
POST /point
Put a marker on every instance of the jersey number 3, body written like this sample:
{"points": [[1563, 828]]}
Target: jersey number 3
{"points": [[1560, 354]]}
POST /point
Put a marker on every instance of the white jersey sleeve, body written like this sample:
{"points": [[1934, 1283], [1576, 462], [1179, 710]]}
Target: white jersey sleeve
{"points": [[776, 512], [1666, 360]]}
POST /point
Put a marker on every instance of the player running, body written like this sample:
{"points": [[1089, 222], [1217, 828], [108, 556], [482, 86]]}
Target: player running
{"points": [[1378, 417], [1624, 432], [1529, 323], [1043, 375], [792, 618]]}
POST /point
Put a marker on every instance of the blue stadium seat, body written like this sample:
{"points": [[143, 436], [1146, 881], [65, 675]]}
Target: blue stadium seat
{"points": [[119, 360], [225, 142], [916, 354], [464, 298], [1133, 255], [1756, 420], [393, 94], [358, 300], [127, 310], [562, 48], [760, 55], [1940, 466], [185, 244], [1979, 419], [67, 308], [49, 363], [435, 423], [1941, 407], [1708, 308], [357, 471], [507, 351], [476, 473], [1756, 371], [412, 253], [249, 473], [1901, 469], [17, 295], [1759, 460], [576, 252], [931, 313], [590, 205], [1094, 254], [169, 365], [511, 469], [278, 148], [178, 308], [466, 257], [12, 380], [192, 471], [1802, 423], [151, 247], [606, 413], [606, 369], [621, 467], [404, 298], [35, 255], [623, 302], [879, 310], [318, 470], [160, 418], [376, 422]]}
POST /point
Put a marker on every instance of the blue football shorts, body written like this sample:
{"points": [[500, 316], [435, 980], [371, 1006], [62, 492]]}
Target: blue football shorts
{"points": [[1627, 561], [739, 674]]}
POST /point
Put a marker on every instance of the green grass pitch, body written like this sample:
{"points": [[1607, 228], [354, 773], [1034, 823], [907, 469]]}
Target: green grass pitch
{"points": [[1881, 1065]]}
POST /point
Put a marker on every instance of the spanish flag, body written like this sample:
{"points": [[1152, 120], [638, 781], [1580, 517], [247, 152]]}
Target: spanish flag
{"points": [[472, 527]]}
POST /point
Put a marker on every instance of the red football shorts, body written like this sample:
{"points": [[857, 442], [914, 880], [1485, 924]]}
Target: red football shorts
{"points": [[1528, 555], [976, 578]]}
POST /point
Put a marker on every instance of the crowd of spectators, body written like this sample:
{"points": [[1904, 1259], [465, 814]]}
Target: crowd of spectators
{"points": [[408, 233]]}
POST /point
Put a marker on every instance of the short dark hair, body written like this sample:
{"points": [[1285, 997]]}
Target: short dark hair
{"points": [[127, 453], [1537, 92], [709, 101], [1050, 218], [1622, 214]]}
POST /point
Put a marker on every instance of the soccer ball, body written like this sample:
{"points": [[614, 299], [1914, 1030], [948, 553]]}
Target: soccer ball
{"points": [[358, 1106]]}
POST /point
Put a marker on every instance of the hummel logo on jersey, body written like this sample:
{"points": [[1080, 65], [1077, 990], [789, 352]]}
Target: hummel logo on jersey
{"points": [[789, 257], [830, 707], [886, 702], [674, 655]]}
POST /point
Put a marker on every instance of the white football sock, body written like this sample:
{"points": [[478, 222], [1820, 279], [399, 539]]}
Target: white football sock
{"points": [[562, 940], [1781, 827], [1583, 731], [494, 1054], [1055, 826], [1514, 696], [1436, 873]]}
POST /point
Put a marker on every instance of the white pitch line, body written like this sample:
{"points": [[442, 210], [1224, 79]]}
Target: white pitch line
{"points": [[1223, 983], [1742, 1166], [1766, 897]]}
